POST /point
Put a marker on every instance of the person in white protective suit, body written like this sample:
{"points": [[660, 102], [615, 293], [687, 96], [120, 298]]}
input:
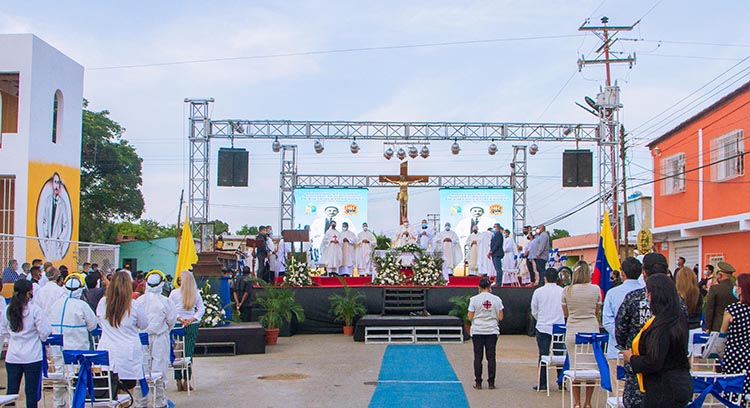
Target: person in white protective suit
{"points": [[162, 315], [74, 319]]}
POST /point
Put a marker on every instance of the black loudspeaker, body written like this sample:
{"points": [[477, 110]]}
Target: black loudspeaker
{"points": [[578, 168], [570, 169], [233, 167], [585, 168]]}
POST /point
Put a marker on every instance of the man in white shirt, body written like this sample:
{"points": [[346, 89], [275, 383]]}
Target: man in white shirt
{"points": [[425, 234], [485, 313], [45, 296], [546, 307], [631, 271]]}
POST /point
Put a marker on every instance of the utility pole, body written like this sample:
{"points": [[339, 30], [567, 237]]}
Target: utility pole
{"points": [[611, 137]]}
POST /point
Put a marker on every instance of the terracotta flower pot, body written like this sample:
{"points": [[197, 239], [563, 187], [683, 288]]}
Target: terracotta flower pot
{"points": [[348, 330], [272, 336]]}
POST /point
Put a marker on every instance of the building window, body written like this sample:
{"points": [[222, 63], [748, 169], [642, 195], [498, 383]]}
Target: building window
{"points": [[727, 154], [673, 172], [7, 217], [631, 222], [57, 110]]}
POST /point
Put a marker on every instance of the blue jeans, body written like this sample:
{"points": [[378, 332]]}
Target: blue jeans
{"points": [[497, 260], [32, 383]]}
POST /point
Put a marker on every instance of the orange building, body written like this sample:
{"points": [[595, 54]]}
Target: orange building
{"points": [[701, 197]]}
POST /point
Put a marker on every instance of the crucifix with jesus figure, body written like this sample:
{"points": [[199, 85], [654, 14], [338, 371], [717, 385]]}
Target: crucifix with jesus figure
{"points": [[403, 180]]}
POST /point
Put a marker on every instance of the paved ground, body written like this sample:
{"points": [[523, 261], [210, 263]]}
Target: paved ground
{"points": [[334, 371]]}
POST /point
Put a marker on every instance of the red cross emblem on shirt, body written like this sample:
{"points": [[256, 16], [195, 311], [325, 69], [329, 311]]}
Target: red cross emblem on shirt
{"points": [[487, 304]]}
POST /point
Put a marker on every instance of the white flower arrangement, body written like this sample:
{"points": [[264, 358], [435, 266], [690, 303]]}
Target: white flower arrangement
{"points": [[389, 271], [215, 314], [297, 274], [428, 271]]}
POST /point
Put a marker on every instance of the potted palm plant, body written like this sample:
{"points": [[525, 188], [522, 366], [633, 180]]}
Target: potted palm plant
{"points": [[280, 307], [461, 310], [347, 308]]}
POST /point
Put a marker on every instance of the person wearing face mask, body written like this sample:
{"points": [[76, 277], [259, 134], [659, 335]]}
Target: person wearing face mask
{"points": [[446, 243], [331, 251], [719, 297], [74, 319], [425, 235], [162, 315], [472, 250], [406, 234], [486, 267], [496, 249], [348, 239], [736, 325], [365, 245]]}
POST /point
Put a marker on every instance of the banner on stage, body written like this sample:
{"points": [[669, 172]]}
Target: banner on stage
{"points": [[466, 207], [316, 207]]}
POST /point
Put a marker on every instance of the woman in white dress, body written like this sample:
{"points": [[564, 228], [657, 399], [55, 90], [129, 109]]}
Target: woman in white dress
{"points": [[190, 310], [121, 319]]}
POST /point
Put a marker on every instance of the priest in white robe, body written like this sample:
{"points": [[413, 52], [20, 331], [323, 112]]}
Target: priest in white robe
{"points": [[447, 242], [424, 235], [472, 251], [406, 234], [348, 240], [331, 251], [365, 245], [279, 257], [486, 268], [510, 251]]}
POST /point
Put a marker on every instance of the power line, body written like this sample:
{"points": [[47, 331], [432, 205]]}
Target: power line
{"points": [[335, 51]]}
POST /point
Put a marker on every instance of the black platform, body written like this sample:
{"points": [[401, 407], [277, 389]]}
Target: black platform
{"points": [[318, 318], [402, 321], [248, 338]]}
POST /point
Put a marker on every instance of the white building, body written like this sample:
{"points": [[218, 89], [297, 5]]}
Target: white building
{"points": [[639, 216], [41, 93]]}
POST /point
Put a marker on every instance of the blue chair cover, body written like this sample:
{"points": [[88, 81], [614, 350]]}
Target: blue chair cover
{"points": [[52, 340], [700, 338], [85, 384], [716, 387], [620, 372], [144, 338], [597, 341], [176, 332], [558, 328]]}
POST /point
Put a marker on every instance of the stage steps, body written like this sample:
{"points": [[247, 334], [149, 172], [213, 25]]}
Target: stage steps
{"points": [[227, 348], [413, 334], [402, 301]]}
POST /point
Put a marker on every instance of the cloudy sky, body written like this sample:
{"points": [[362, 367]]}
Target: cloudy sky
{"points": [[498, 73]]}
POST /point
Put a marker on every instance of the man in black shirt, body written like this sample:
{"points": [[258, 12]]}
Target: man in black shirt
{"points": [[261, 252], [244, 295]]}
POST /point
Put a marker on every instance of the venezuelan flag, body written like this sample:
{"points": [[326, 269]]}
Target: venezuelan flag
{"points": [[607, 259]]}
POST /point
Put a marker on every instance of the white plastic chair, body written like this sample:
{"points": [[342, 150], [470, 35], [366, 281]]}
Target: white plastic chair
{"points": [[584, 373], [100, 370], [711, 377], [53, 378], [182, 363], [556, 356], [150, 376], [614, 399]]}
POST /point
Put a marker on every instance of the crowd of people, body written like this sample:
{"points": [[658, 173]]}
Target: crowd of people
{"points": [[49, 300], [650, 318]]}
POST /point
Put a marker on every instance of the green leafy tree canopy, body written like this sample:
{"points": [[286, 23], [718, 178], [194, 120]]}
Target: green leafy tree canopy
{"points": [[558, 233], [247, 230]]}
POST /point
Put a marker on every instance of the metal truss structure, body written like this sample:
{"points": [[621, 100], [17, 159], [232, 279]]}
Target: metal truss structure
{"points": [[202, 129]]}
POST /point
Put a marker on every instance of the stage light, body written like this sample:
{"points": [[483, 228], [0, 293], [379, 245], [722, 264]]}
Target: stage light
{"points": [[425, 152], [354, 147], [455, 148], [276, 145], [533, 149], [492, 149], [318, 147], [413, 152], [568, 130], [401, 153], [388, 153]]}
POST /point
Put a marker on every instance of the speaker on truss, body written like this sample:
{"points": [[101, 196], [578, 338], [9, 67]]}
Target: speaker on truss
{"points": [[578, 168], [233, 167]]}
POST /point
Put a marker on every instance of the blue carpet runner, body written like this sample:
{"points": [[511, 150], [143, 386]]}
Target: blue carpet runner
{"points": [[417, 376]]}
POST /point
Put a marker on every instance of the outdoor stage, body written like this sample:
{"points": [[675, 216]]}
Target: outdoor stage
{"points": [[318, 318]]}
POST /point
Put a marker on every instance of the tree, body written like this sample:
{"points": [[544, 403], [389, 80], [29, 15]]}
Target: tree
{"points": [[558, 233], [110, 177], [146, 230], [220, 227], [247, 230]]}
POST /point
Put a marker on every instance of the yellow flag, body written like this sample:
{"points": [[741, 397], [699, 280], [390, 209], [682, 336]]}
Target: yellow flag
{"points": [[187, 255]]}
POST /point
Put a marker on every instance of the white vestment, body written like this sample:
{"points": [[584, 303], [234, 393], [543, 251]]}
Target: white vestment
{"points": [[483, 247], [348, 239], [331, 254], [472, 250], [425, 237], [279, 258], [366, 243], [447, 242], [510, 250], [406, 235]]}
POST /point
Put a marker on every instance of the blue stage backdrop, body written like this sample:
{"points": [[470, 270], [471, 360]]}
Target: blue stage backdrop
{"points": [[317, 206], [463, 207]]}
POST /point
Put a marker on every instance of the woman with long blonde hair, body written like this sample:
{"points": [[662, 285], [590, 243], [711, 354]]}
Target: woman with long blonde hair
{"points": [[190, 309], [582, 306], [687, 288], [121, 321]]}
